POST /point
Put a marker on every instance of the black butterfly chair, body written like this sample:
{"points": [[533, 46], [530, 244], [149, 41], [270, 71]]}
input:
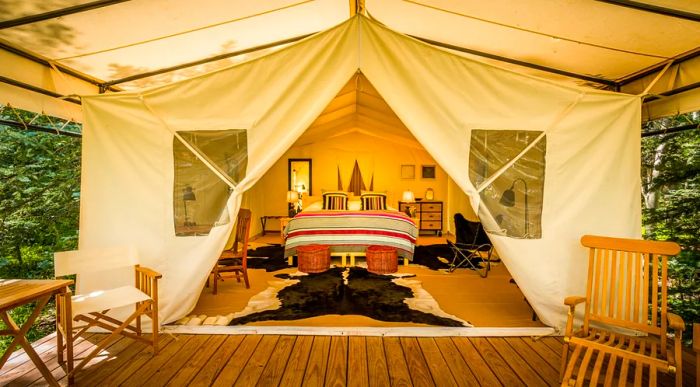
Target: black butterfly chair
{"points": [[471, 247]]}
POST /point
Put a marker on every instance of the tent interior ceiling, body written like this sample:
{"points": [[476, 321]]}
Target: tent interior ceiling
{"points": [[574, 41], [358, 108]]}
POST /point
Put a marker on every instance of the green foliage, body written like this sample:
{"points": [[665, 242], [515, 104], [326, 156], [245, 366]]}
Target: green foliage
{"points": [[671, 189], [39, 205]]}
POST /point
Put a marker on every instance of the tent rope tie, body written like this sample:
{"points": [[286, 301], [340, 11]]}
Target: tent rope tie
{"points": [[187, 145], [19, 118], [565, 112]]}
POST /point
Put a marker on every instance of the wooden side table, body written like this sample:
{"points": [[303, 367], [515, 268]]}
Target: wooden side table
{"points": [[17, 292]]}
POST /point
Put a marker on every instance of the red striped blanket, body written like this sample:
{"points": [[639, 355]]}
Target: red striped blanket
{"points": [[351, 231]]}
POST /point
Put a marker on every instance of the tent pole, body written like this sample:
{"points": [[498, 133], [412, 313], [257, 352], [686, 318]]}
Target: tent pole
{"points": [[58, 13], [203, 61], [602, 81], [39, 90], [645, 7]]}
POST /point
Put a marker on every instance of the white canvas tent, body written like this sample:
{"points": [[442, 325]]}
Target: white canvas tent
{"points": [[590, 171]]}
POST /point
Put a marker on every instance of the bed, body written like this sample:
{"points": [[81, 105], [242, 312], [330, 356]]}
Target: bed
{"points": [[351, 231]]}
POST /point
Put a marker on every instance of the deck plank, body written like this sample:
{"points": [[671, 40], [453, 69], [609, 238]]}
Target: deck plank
{"points": [[272, 373], [96, 374], [164, 373], [258, 360], [377, 370], [151, 364], [455, 362], [109, 354], [298, 359], [417, 367], [526, 370], [337, 369], [358, 374], [233, 368], [188, 370], [211, 369], [80, 350], [552, 358], [396, 362], [544, 369], [498, 365], [315, 374], [19, 356], [310, 360], [436, 362], [554, 344], [476, 363], [23, 365]]}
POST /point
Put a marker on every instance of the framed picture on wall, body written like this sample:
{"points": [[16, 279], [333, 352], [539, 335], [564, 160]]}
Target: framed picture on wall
{"points": [[408, 171], [427, 172]]}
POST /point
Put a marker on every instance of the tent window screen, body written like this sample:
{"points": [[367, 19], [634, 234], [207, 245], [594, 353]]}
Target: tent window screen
{"points": [[199, 195], [512, 203]]}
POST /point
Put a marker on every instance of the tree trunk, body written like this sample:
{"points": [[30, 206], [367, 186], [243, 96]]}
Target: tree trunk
{"points": [[18, 254]]}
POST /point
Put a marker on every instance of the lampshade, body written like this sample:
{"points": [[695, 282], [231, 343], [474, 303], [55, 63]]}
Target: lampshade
{"points": [[292, 196], [508, 197], [188, 194], [408, 196]]}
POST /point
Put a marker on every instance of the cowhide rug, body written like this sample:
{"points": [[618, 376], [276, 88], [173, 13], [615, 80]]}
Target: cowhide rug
{"points": [[346, 291]]}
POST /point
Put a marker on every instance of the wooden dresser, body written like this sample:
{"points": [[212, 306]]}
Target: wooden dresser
{"points": [[429, 214]]}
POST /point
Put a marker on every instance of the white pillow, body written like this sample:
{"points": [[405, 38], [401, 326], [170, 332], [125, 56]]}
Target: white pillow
{"points": [[354, 205], [315, 206]]}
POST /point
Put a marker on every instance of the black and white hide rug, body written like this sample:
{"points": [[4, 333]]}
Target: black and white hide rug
{"points": [[346, 291]]}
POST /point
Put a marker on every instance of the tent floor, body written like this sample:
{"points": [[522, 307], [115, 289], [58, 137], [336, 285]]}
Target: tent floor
{"points": [[485, 302]]}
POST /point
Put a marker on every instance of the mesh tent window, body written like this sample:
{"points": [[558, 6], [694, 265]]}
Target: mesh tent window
{"points": [[199, 195], [512, 202]]}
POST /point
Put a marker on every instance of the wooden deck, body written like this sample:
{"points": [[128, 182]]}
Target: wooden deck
{"points": [[271, 360]]}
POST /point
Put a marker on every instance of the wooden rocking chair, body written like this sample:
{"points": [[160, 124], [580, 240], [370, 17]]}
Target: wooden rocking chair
{"points": [[625, 316]]}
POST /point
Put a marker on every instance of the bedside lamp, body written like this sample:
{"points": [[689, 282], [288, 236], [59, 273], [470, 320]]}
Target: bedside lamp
{"points": [[292, 198], [408, 196]]}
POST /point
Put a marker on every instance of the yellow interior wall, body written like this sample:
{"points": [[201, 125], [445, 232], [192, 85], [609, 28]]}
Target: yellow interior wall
{"points": [[457, 201], [374, 155]]}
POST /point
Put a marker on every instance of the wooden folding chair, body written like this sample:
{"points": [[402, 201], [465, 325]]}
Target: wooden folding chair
{"points": [[235, 259], [90, 305], [626, 318]]}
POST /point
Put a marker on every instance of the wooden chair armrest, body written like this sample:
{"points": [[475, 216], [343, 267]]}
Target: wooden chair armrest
{"points": [[675, 322], [148, 272], [572, 301]]}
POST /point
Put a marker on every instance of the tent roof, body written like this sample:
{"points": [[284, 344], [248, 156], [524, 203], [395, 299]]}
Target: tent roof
{"points": [[359, 108], [614, 44]]}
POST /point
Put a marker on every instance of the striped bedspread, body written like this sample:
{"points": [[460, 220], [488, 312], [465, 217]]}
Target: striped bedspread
{"points": [[351, 231]]}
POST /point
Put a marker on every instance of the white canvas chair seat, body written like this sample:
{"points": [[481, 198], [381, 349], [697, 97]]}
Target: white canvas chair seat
{"points": [[101, 300]]}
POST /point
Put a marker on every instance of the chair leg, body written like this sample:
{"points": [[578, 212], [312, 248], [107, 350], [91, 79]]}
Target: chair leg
{"points": [[154, 326], [244, 272], [564, 360]]}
